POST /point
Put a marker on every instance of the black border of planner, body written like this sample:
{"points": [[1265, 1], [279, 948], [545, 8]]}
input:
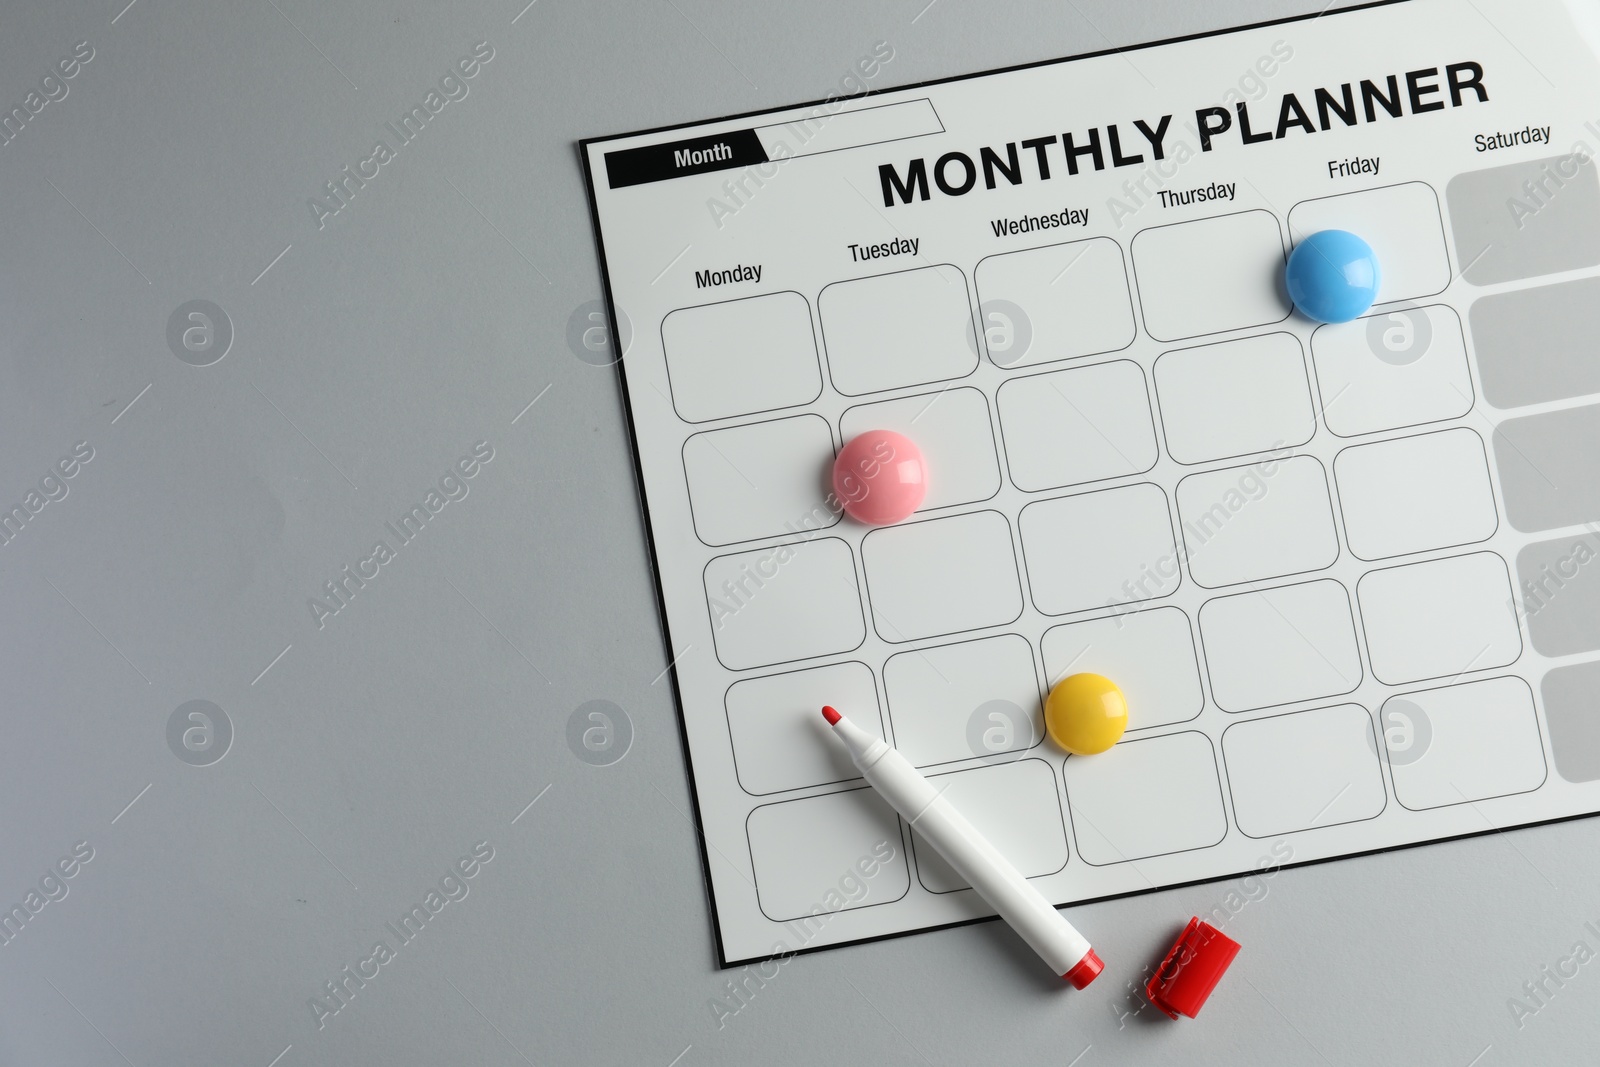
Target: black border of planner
{"points": [[644, 506]]}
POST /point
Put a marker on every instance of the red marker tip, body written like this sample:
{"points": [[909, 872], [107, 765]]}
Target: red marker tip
{"points": [[831, 715]]}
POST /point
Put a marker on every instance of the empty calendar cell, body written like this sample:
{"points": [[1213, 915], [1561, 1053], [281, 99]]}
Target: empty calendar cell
{"points": [[1236, 397], [1073, 297], [1211, 275], [1412, 494], [1557, 227], [911, 327], [785, 603], [1534, 345], [1569, 709], [761, 480], [1463, 743], [1396, 368], [772, 721], [1016, 806], [1145, 797], [1303, 771], [1267, 520], [1400, 222], [1149, 653], [1549, 467], [820, 855], [1560, 594], [953, 431], [964, 700], [741, 356], [1439, 619], [1068, 427], [1095, 550], [941, 576], [1280, 646]]}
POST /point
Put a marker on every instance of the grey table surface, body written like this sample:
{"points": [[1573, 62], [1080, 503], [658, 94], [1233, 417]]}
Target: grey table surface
{"points": [[230, 859]]}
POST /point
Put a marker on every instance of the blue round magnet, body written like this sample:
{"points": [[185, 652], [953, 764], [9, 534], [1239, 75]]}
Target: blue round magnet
{"points": [[1332, 276]]}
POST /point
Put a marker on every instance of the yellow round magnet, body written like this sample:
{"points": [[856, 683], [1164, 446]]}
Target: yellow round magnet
{"points": [[1085, 713]]}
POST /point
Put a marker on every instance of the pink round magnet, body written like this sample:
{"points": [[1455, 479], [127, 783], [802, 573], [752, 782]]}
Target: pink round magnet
{"points": [[880, 477]]}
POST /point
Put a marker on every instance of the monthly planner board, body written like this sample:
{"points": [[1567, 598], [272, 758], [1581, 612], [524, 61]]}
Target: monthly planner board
{"points": [[1348, 576]]}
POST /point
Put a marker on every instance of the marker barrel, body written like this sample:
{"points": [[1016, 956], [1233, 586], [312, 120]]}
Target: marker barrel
{"points": [[993, 876]]}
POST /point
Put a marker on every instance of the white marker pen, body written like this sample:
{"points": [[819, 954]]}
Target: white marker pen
{"points": [[938, 822]]}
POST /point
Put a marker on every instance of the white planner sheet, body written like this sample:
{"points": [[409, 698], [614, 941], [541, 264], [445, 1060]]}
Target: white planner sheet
{"points": [[1342, 572]]}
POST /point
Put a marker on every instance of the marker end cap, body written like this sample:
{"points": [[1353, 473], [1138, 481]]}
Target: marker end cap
{"points": [[1085, 970]]}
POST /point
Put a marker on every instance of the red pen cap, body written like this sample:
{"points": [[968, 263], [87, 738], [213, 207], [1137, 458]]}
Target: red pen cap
{"points": [[1191, 970]]}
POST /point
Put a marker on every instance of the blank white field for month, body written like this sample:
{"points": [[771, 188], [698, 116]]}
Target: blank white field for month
{"points": [[1415, 493], [953, 431], [1303, 771], [1074, 298], [1114, 546], [1149, 652], [1233, 398], [1439, 619], [773, 722], [1400, 222], [741, 356], [892, 330], [1405, 367], [1279, 646], [1211, 275], [808, 853], [1073, 426], [960, 701], [1266, 520], [1014, 805], [1463, 743], [941, 576], [760, 480], [1145, 798], [785, 603]]}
